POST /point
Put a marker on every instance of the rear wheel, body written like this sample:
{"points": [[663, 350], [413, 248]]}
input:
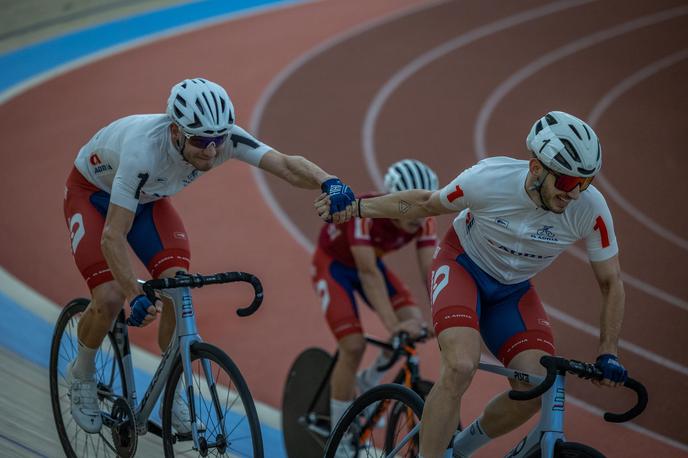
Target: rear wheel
{"points": [[109, 375], [356, 432], [306, 431]]}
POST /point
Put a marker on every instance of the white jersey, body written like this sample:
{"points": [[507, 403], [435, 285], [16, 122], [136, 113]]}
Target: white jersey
{"points": [[134, 160], [507, 235]]}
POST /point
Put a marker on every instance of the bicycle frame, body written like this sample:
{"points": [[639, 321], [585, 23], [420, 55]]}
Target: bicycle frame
{"points": [[185, 335]]}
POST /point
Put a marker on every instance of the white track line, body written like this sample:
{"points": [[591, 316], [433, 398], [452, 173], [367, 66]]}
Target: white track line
{"points": [[287, 73], [636, 282], [370, 121], [529, 70], [626, 345], [599, 109]]}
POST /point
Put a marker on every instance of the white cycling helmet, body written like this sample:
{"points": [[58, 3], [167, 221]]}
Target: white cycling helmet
{"points": [[201, 107], [410, 174], [565, 144]]}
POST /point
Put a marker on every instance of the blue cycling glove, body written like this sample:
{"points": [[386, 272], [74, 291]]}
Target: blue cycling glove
{"points": [[341, 196], [611, 368], [139, 310]]}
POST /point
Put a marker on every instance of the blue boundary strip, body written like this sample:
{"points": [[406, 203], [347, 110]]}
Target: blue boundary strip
{"points": [[32, 60], [21, 331]]}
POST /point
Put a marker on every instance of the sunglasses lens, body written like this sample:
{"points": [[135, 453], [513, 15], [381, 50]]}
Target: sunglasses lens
{"points": [[568, 183], [203, 142]]}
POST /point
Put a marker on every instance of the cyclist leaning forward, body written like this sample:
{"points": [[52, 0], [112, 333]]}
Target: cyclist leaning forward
{"points": [[348, 260], [515, 218], [117, 193]]}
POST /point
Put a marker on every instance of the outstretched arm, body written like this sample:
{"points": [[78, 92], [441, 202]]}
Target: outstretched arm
{"points": [[295, 170], [413, 204]]}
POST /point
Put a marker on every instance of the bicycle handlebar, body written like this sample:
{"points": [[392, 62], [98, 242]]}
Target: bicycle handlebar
{"points": [[182, 280], [555, 365], [397, 346]]}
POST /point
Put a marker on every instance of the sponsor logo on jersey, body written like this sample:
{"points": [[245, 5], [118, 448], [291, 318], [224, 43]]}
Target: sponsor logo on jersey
{"points": [[160, 179], [517, 253], [502, 222], [191, 177], [545, 233], [98, 166]]}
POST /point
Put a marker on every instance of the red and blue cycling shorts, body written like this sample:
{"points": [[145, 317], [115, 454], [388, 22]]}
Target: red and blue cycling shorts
{"points": [[510, 318], [335, 284], [157, 234]]}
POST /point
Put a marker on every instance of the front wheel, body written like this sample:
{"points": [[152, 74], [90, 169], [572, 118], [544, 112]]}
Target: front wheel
{"points": [[356, 431], [571, 450], [222, 402], [575, 450]]}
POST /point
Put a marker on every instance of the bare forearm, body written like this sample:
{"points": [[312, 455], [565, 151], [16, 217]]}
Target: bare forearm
{"points": [[611, 317], [375, 290], [302, 173], [407, 204], [114, 249]]}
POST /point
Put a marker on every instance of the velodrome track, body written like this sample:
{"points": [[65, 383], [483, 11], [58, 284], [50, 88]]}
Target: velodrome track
{"points": [[355, 85]]}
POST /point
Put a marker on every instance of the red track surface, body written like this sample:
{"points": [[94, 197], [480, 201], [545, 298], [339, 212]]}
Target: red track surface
{"points": [[319, 111]]}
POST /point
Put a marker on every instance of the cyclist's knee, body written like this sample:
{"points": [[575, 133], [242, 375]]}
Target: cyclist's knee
{"points": [[352, 347], [459, 371], [107, 300]]}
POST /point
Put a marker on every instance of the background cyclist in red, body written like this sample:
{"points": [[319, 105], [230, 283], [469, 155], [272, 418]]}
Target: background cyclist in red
{"points": [[348, 260]]}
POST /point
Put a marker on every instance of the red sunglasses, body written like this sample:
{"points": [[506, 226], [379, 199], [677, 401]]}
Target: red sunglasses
{"points": [[567, 183], [203, 142]]}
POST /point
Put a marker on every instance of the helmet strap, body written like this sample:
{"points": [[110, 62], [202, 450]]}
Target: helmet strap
{"points": [[537, 186]]}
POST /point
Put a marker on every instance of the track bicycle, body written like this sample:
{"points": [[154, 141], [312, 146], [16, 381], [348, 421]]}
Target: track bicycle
{"points": [[306, 398], [545, 440], [224, 421]]}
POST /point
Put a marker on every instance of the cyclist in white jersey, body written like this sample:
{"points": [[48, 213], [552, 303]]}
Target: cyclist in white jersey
{"points": [[515, 218], [117, 193]]}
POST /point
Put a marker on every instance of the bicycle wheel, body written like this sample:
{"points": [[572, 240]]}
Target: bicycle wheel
{"points": [[355, 434], [305, 432], [109, 374], [224, 405], [571, 450]]}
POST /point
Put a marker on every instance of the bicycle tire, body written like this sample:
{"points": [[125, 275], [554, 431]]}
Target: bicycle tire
{"points": [[348, 424], [245, 437], [423, 388], [571, 450], [305, 375], [71, 436]]}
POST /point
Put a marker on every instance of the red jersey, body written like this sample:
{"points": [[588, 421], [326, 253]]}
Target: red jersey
{"points": [[336, 240]]}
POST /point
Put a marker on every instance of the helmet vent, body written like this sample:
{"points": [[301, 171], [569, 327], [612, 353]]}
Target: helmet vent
{"points": [[199, 105], [571, 150], [588, 132], [560, 159], [181, 100], [585, 172], [551, 120], [575, 131], [197, 123], [538, 127], [599, 151], [412, 174]]}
